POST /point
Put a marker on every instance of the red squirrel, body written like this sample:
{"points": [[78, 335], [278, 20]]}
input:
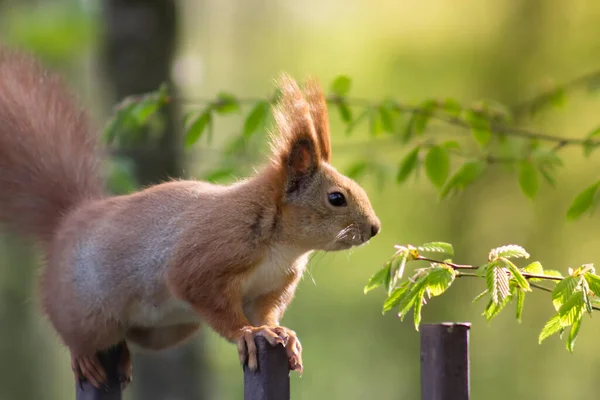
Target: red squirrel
{"points": [[149, 267]]}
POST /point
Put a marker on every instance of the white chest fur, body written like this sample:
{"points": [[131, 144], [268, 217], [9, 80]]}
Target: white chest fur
{"points": [[280, 262]]}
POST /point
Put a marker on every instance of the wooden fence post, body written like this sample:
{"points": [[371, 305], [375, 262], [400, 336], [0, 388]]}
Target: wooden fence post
{"points": [[445, 361], [271, 381], [109, 360]]}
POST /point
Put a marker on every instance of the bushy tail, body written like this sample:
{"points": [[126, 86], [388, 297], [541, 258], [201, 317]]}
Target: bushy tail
{"points": [[49, 155]]}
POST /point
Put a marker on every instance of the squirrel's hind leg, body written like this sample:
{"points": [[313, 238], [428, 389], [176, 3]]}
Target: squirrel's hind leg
{"points": [[91, 369]]}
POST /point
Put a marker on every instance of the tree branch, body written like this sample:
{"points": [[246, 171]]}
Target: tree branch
{"points": [[531, 104], [495, 128]]}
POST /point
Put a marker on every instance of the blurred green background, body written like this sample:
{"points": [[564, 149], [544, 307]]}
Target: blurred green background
{"points": [[410, 50]]}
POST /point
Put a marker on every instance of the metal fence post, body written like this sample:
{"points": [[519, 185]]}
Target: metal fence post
{"points": [[271, 381], [445, 361], [109, 360]]}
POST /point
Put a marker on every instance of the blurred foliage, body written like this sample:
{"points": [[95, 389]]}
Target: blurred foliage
{"points": [[53, 30], [535, 155]]}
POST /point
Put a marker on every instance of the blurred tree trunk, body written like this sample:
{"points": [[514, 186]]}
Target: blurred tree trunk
{"points": [[138, 50], [23, 370], [22, 350]]}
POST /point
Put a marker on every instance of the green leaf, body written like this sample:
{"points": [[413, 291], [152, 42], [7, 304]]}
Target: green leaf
{"points": [[528, 179], [352, 125], [357, 169], [573, 335], [534, 268], [520, 295], [564, 290], [517, 275], [452, 107], [379, 278], [557, 98], [397, 269], [497, 282], [451, 145], [409, 129], [492, 309], [121, 177], [480, 127], [226, 103], [547, 175], [387, 116], [589, 145], [143, 110], [408, 164], [345, 112], [437, 247], [418, 306], [583, 202], [396, 296], [439, 279], [572, 309], [593, 282], [552, 326], [437, 165], [465, 175], [197, 128], [422, 116], [375, 127], [341, 85], [509, 251], [420, 121], [256, 118], [588, 302], [219, 174], [409, 299], [551, 272]]}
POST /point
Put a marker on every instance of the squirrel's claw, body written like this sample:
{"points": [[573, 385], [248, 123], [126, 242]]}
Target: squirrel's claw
{"points": [[292, 347], [275, 336], [125, 368], [89, 368], [247, 347]]}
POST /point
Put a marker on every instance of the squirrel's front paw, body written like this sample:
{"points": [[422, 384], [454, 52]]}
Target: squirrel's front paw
{"points": [[275, 336], [247, 346], [292, 346]]}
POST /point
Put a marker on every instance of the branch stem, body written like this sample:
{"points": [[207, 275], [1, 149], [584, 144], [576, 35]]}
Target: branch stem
{"points": [[495, 127]]}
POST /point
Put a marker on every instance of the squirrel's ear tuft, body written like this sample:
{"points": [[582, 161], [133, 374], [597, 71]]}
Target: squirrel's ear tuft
{"points": [[296, 148], [318, 111]]}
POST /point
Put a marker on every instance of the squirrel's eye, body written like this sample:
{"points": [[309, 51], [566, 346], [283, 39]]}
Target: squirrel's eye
{"points": [[336, 199]]}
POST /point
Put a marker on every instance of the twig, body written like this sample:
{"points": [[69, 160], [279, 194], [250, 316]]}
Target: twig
{"points": [[540, 287], [495, 128], [527, 275], [527, 105], [454, 266]]}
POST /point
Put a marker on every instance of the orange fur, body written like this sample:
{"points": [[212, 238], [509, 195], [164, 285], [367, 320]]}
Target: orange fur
{"points": [[149, 267]]}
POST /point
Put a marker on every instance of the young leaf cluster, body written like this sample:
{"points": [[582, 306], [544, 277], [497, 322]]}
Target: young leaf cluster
{"points": [[572, 296], [414, 292]]}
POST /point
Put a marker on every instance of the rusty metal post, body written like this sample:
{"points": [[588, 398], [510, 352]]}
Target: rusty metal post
{"points": [[445, 361], [271, 381]]}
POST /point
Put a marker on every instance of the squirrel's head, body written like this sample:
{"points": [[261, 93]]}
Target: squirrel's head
{"points": [[321, 209]]}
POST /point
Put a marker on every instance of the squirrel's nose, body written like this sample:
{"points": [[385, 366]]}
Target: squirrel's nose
{"points": [[375, 228]]}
